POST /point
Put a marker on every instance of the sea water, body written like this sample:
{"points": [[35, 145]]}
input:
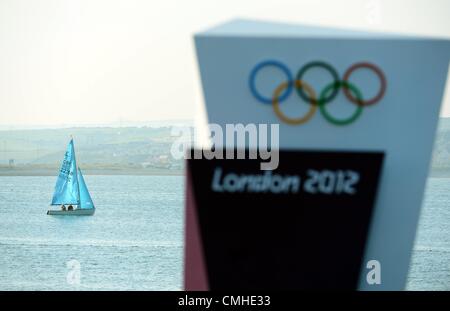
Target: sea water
{"points": [[133, 242], [135, 239]]}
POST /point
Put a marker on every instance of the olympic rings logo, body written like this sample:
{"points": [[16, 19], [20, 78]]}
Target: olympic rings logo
{"points": [[327, 94]]}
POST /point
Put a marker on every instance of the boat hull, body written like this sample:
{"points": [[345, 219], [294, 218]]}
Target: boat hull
{"points": [[75, 212]]}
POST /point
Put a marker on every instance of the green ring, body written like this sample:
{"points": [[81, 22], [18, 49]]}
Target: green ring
{"points": [[328, 68], [327, 115]]}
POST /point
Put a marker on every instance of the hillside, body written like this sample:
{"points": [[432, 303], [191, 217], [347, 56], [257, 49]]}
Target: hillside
{"points": [[127, 150], [96, 148]]}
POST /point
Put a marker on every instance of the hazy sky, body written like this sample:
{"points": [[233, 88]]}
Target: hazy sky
{"points": [[108, 61]]}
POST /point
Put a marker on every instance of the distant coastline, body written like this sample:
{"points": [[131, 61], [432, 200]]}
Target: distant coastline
{"points": [[434, 173], [120, 171], [134, 150], [439, 173]]}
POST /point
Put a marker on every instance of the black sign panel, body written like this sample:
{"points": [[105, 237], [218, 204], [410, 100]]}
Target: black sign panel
{"points": [[303, 225]]}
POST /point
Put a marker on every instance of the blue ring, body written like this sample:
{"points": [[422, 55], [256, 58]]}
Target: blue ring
{"points": [[279, 65]]}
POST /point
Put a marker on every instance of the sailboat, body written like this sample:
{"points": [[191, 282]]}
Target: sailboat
{"points": [[71, 192]]}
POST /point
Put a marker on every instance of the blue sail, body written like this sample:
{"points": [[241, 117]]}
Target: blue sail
{"points": [[66, 188], [85, 197]]}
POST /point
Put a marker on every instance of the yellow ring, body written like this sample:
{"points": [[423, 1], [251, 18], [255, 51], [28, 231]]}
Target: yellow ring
{"points": [[276, 105]]}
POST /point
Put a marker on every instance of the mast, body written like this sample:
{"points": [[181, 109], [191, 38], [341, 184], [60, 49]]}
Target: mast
{"points": [[76, 170]]}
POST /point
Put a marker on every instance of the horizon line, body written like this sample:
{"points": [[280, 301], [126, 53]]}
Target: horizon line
{"points": [[121, 124]]}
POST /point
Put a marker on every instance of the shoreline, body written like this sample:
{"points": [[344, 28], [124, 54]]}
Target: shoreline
{"points": [[441, 173], [99, 172]]}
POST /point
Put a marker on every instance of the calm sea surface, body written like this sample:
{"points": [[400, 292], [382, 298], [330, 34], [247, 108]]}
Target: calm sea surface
{"points": [[135, 239]]}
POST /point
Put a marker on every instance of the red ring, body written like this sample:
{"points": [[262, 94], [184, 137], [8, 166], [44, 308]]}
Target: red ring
{"points": [[380, 75]]}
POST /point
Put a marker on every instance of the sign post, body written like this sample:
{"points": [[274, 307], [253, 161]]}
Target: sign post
{"points": [[345, 101]]}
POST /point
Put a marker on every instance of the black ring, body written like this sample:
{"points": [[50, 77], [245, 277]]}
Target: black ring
{"points": [[325, 66]]}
